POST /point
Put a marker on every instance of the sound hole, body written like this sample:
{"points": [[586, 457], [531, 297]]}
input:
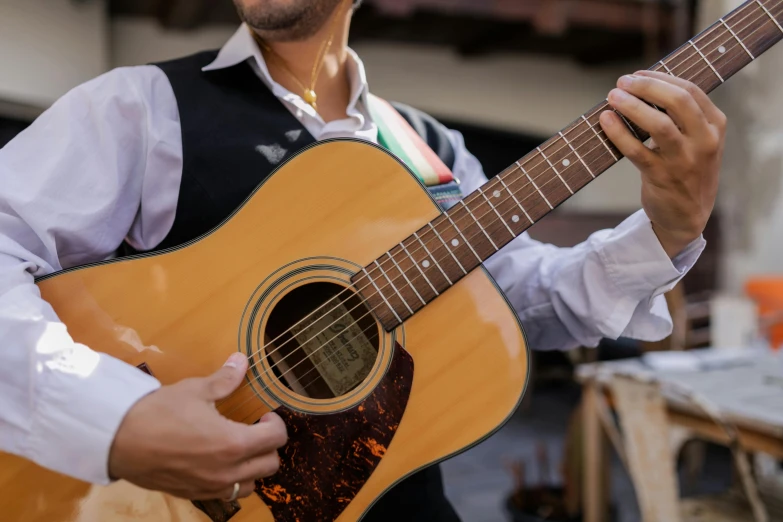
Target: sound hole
{"points": [[322, 340]]}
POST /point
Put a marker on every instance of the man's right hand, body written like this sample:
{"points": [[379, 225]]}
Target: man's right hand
{"points": [[174, 440]]}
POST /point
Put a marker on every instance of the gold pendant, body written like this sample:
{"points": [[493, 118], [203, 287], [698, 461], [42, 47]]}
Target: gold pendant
{"points": [[310, 97]]}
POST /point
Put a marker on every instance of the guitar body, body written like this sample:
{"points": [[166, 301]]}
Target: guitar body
{"points": [[460, 365]]}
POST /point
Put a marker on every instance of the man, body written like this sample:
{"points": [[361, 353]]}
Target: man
{"points": [[128, 157]]}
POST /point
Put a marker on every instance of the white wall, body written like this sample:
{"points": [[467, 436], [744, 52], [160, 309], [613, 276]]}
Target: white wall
{"points": [[137, 41], [49, 46]]}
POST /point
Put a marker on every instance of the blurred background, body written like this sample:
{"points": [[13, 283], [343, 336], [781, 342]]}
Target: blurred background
{"points": [[508, 74]]}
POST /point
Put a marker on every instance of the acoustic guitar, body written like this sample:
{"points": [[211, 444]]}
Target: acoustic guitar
{"points": [[370, 325]]}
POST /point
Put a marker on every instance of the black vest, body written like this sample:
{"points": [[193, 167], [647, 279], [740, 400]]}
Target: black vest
{"points": [[235, 133]]}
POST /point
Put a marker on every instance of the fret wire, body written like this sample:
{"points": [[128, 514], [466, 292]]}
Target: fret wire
{"points": [[770, 15], [433, 260], [500, 178], [394, 287], [449, 251], [405, 276], [420, 270], [576, 153], [554, 169], [534, 185], [479, 224], [448, 216], [600, 139], [382, 296], [708, 62], [738, 39], [496, 212], [667, 68]]}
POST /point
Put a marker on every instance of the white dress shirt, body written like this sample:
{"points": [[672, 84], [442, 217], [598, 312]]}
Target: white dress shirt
{"points": [[104, 164]]}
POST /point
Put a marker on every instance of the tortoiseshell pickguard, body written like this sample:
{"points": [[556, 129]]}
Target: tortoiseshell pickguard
{"points": [[329, 457]]}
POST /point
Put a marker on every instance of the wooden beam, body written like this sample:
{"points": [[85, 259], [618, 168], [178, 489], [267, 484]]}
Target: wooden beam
{"points": [[750, 440], [605, 14], [595, 492]]}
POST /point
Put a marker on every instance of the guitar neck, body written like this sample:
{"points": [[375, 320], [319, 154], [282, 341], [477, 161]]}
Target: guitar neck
{"points": [[410, 275]]}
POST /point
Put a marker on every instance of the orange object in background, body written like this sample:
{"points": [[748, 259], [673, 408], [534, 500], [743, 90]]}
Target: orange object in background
{"points": [[767, 292]]}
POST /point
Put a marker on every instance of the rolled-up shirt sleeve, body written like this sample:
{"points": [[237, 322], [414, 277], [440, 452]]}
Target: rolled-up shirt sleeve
{"points": [[609, 286], [71, 187]]}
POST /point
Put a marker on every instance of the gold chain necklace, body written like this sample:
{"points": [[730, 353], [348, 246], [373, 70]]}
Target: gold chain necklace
{"points": [[308, 92]]}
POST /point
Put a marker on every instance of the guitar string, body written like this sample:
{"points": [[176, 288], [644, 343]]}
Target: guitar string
{"points": [[363, 302], [507, 199], [698, 39], [552, 179], [395, 279]]}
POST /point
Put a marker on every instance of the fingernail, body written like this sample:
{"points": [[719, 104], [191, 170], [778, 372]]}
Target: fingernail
{"points": [[625, 81], [234, 360], [618, 95], [607, 120]]}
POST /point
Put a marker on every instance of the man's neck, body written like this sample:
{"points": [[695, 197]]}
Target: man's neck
{"points": [[332, 86]]}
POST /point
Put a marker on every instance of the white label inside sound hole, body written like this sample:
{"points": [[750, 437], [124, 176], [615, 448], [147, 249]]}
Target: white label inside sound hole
{"points": [[341, 353]]}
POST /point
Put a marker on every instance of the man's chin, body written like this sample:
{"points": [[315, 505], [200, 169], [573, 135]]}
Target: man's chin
{"points": [[291, 20]]}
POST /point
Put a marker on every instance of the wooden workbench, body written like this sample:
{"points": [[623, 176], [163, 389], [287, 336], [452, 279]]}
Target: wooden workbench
{"points": [[748, 392]]}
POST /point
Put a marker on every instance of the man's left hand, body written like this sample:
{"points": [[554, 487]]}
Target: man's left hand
{"points": [[680, 167]]}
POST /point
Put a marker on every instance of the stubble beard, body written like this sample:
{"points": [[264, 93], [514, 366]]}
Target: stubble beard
{"points": [[288, 23]]}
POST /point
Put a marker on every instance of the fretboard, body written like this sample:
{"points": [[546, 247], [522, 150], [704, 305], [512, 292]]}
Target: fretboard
{"points": [[421, 267]]}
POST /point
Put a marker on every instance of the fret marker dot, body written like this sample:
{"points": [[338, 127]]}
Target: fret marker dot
{"points": [[425, 263], [515, 219], [566, 162], [496, 193], [721, 49], [454, 242]]}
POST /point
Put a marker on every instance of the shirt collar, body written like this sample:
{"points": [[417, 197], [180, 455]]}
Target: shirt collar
{"points": [[242, 46]]}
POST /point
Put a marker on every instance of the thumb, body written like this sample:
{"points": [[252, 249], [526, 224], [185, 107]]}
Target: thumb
{"points": [[223, 382]]}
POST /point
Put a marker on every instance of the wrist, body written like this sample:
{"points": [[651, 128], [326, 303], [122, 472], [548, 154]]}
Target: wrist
{"points": [[126, 436], [673, 243]]}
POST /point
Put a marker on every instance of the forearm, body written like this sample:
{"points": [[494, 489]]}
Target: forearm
{"points": [[61, 403], [609, 286]]}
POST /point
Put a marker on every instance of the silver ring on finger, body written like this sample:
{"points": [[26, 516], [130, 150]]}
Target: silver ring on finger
{"points": [[235, 493]]}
